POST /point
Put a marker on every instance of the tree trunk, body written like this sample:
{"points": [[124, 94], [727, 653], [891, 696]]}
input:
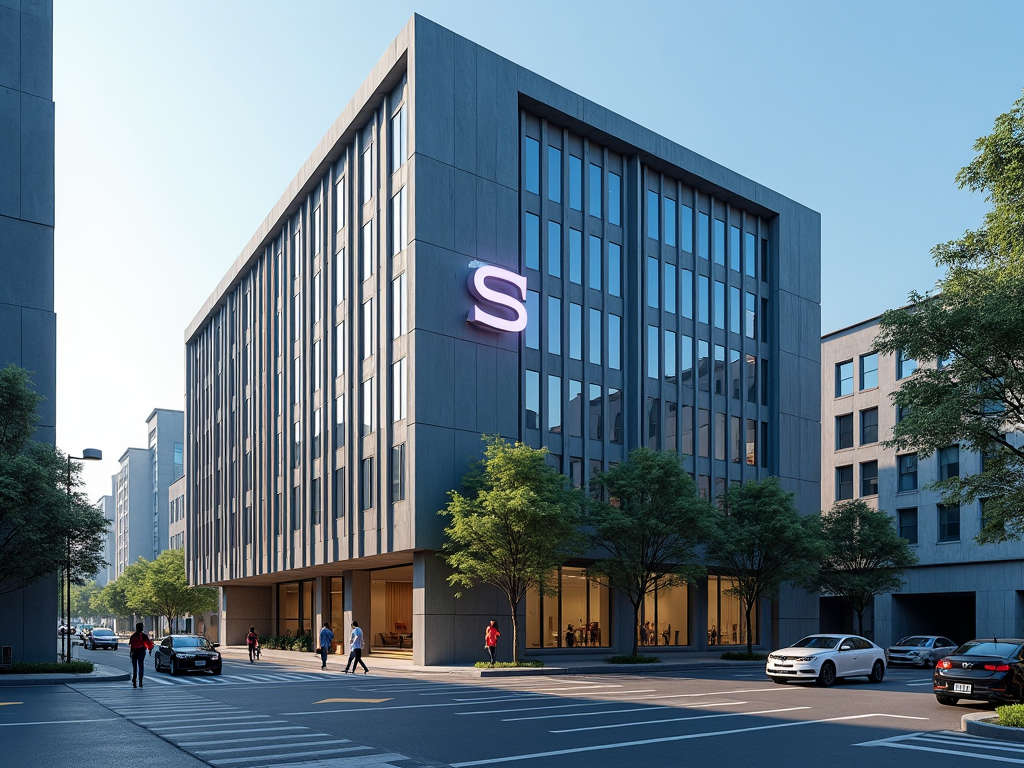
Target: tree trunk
{"points": [[750, 634], [860, 622], [636, 623], [515, 633]]}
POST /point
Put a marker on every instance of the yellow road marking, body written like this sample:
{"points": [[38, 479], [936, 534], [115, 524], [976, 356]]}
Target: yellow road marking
{"points": [[351, 701], [8, 703]]}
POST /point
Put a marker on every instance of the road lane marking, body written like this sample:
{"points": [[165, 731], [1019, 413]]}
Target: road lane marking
{"points": [[534, 709], [230, 760], [351, 701], [269, 746], [616, 711], [930, 682], [938, 738], [367, 761], [251, 739], [677, 719], [9, 703], [61, 722], [667, 740], [176, 720], [192, 727], [239, 730], [898, 743]]}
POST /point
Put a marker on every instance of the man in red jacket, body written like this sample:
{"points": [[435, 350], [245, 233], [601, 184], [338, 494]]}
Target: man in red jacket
{"points": [[138, 644]]}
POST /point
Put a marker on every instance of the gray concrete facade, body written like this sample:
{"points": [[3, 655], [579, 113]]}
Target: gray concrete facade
{"points": [[335, 392], [959, 588], [28, 324], [107, 505]]}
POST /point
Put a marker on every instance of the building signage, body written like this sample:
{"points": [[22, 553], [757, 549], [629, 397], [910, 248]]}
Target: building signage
{"points": [[483, 282]]}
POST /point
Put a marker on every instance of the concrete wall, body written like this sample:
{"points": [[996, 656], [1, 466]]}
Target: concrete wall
{"points": [[244, 607]]}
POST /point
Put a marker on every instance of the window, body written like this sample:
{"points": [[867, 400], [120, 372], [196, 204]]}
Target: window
{"points": [[653, 422], [670, 222], [575, 331], [719, 369], [366, 169], [735, 439], [703, 299], [366, 249], [720, 435], [686, 294], [686, 432], [652, 351], [614, 342], [614, 199], [949, 462], [318, 287], [949, 522], [844, 483], [316, 447], [869, 371], [595, 190], [686, 360], [905, 366], [531, 165], [594, 263], [670, 355], [704, 432], [734, 249], [595, 336], [339, 421], [906, 466], [750, 254], [297, 316], [297, 444], [554, 249], [719, 242], [734, 309], [339, 204], [399, 390], [906, 521], [554, 325], [318, 367], [614, 269], [399, 139], [750, 316], [844, 431], [751, 378], [366, 486], [554, 174], [399, 307], [902, 411], [532, 400], [339, 493], [575, 256], [398, 472], [686, 219], [532, 320], [751, 442], [595, 429], [297, 379], [703, 365], [653, 205], [399, 222], [869, 426], [575, 183], [554, 403], [614, 415], [670, 288], [844, 378], [368, 406], [532, 238], [653, 270], [719, 304], [367, 328], [869, 478]]}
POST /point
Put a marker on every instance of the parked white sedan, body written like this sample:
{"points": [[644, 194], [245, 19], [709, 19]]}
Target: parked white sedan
{"points": [[826, 658]]}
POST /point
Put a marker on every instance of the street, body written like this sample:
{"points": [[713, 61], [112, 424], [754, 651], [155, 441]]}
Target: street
{"points": [[273, 714]]}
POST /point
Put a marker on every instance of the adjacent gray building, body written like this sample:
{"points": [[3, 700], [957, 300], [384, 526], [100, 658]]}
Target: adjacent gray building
{"points": [[959, 588], [27, 320], [107, 505], [473, 249]]}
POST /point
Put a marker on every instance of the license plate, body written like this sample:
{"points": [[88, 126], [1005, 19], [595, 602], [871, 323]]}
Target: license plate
{"points": [[783, 665], [200, 663], [961, 688]]}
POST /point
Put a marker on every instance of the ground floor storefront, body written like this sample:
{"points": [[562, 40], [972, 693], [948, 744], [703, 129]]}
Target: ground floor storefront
{"points": [[408, 609]]}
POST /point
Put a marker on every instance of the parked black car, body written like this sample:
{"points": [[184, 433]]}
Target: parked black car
{"points": [[187, 653], [101, 637], [983, 670]]}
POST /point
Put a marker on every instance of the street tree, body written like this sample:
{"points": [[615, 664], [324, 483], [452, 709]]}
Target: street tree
{"points": [[115, 600], [164, 589], [760, 541], [515, 521], [647, 519], [38, 515], [974, 396], [81, 598], [862, 556]]}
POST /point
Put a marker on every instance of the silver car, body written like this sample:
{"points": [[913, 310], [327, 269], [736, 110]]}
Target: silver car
{"points": [[920, 650]]}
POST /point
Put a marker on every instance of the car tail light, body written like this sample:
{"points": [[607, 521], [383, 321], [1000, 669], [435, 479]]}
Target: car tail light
{"points": [[944, 664], [997, 667]]}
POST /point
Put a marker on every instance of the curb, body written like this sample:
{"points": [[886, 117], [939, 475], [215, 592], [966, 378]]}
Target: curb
{"points": [[974, 724], [100, 674]]}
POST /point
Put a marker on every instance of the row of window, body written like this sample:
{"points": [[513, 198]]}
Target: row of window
{"points": [[906, 473], [905, 366], [947, 519], [596, 185]]}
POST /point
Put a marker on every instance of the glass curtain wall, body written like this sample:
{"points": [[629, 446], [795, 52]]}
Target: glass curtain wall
{"points": [[576, 616], [726, 620], [295, 608], [665, 617]]}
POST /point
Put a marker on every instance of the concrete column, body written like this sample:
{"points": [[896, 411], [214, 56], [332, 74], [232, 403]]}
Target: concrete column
{"points": [[699, 615], [244, 607], [357, 607]]}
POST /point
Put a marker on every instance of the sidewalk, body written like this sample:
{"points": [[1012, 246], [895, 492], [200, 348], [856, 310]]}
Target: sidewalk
{"points": [[562, 664], [100, 674]]}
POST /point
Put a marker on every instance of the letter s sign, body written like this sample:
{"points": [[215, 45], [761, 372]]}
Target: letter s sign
{"points": [[479, 288]]}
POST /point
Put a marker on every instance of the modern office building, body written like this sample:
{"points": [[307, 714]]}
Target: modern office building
{"points": [[108, 506], [176, 514], [141, 489], [28, 324], [958, 588], [473, 249]]}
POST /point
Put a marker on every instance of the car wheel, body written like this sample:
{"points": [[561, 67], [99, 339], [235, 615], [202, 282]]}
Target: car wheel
{"points": [[949, 701], [217, 671], [827, 676], [779, 680], [174, 668], [877, 672]]}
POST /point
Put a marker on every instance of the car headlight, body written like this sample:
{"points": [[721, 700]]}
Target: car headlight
{"points": [[805, 658], [773, 657]]}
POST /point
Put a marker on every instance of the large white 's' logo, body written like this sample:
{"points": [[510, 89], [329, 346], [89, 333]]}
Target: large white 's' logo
{"points": [[510, 304]]}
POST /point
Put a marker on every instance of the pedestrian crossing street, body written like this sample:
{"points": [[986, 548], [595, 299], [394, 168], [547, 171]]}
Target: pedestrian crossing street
{"points": [[225, 736], [956, 745]]}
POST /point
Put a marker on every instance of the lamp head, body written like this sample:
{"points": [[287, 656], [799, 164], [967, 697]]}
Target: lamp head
{"points": [[92, 454]]}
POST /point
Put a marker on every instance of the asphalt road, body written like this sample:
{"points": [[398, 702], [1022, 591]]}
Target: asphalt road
{"points": [[275, 715]]}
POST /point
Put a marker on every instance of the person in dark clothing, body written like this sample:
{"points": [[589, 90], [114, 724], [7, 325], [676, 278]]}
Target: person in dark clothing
{"points": [[138, 644], [253, 641]]}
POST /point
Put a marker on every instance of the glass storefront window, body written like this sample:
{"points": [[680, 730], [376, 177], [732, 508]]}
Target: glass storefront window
{"points": [[576, 616], [726, 620], [295, 608], [664, 617]]}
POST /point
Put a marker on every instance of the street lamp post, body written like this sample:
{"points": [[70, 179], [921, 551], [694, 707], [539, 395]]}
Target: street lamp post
{"points": [[89, 454]]}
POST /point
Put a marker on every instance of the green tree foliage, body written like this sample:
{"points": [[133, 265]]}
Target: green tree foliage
{"points": [[113, 599], [973, 324], [164, 589], [759, 540], [37, 519], [516, 521], [81, 598], [649, 527], [862, 556]]}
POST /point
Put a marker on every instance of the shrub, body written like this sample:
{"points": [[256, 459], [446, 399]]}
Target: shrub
{"points": [[287, 643], [509, 664], [744, 656], [42, 668], [638, 659], [1011, 715]]}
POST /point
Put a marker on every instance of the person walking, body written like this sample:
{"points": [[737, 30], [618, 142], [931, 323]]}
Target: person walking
{"points": [[491, 635], [138, 644], [253, 641], [326, 638], [355, 647]]}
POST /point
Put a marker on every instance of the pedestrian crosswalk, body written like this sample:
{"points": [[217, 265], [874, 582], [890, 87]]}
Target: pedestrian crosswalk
{"points": [[227, 678], [957, 745], [226, 736]]}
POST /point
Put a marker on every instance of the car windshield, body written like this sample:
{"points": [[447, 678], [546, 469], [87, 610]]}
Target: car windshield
{"points": [[192, 642], [817, 642], [914, 642], [985, 648], [103, 632]]}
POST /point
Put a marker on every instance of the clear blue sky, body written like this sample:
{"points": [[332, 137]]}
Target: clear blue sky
{"points": [[179, 124]]}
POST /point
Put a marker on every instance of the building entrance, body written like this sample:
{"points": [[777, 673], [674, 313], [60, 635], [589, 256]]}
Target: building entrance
{"points": [[391, 610], [937, 613]]}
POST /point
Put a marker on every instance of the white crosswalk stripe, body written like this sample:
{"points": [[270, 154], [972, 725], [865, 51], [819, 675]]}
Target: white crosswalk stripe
{"points": [[954, 744]]}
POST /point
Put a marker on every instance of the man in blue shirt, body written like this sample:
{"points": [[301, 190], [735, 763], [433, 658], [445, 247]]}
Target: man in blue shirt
{"points": [[326, 638], [355, 646]]}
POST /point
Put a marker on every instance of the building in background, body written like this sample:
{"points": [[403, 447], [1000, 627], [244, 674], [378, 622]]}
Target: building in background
{"points": [[108, 506], [620, 291], [959, 588], [28, 324], [141, 490], [207, 623]]}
